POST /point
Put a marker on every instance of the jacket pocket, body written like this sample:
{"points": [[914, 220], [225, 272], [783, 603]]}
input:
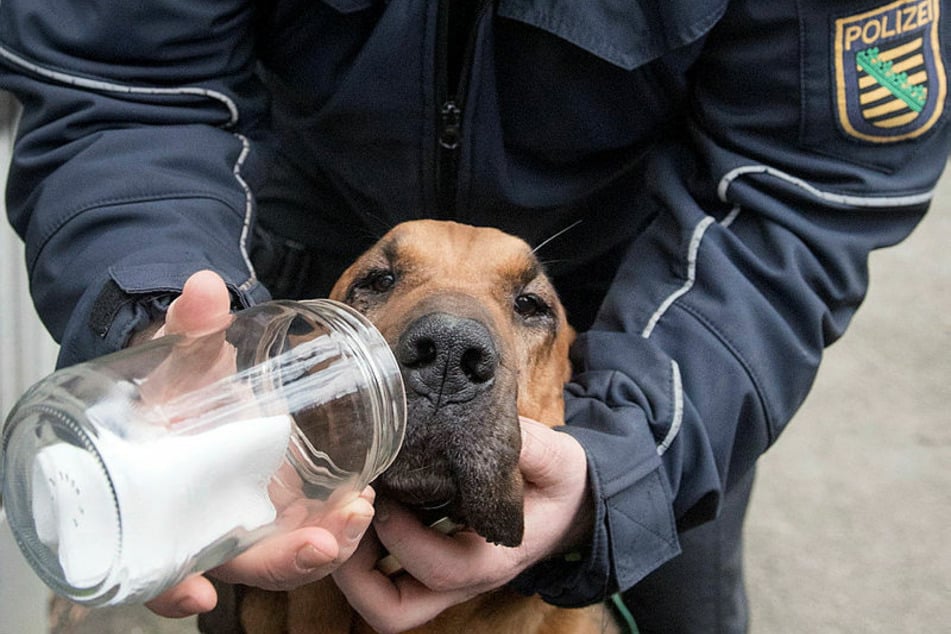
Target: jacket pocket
{"points": [[626, 34], [350, 6]]}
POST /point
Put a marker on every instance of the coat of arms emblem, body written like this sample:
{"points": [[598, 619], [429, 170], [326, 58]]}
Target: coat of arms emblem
{"points": [[889, 76]]}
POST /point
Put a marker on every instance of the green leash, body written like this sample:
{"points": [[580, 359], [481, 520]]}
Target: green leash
{"points": [[624, 613]]}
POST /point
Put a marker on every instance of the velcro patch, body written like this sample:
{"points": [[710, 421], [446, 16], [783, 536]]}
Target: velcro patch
{"points": [[889, 76]]}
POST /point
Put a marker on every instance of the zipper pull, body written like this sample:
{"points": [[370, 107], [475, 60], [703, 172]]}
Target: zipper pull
{"points": [[451, 122]]}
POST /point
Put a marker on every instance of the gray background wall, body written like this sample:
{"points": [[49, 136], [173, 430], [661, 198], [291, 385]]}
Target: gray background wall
{"points": [[26, 353]]}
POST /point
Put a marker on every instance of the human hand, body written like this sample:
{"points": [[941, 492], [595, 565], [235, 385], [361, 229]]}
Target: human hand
{"points": [[281, 562], [446, 570]]}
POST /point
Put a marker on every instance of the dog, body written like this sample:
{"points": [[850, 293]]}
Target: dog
{"points": [[481, 338]]}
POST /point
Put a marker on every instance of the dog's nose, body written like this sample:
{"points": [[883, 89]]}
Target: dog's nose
{"points": [[447, 358]]}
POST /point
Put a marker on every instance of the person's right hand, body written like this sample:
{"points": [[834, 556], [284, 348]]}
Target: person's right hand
{"points": [[281, 562], [444, 570]]}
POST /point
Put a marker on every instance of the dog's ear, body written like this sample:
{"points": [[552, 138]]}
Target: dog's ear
{"points": [[491, 503]]}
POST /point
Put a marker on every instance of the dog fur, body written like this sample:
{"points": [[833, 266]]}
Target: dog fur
{"points": [[481, 338]]}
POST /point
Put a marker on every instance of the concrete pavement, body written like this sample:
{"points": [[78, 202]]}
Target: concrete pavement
{"points": [[850, 521]]}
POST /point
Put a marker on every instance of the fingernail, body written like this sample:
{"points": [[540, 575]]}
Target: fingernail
{"points": [[309, 558], [189, 606], [368, 494], [358, 521]]}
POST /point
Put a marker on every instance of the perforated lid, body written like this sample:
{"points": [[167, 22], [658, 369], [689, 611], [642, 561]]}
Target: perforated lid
{"points": [[74, 512], [60, 502]]}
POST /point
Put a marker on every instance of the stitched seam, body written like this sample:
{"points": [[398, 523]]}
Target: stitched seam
{"points": [[735, 352], [825, 196], [670, 522], [692, 251], [113, 87], [647, 528], [112, 202], [626, 479]]}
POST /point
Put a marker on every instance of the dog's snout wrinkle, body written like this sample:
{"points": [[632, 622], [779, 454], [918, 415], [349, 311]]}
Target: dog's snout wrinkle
{"points": [[447, 358]]}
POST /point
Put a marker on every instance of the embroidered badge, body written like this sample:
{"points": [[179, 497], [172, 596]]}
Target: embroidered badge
{"points": [[890, 79]]}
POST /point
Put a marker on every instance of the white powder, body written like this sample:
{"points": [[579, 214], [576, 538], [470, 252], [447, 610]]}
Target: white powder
{"points": [[73, 511], [177, 494]]}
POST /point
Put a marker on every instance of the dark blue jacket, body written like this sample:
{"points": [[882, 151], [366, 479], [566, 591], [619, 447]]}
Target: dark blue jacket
{"points": [[731, 165]]}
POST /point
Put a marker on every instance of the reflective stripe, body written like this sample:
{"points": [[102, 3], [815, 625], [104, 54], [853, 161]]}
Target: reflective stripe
{"points": [[726, 222], [233, 117], [692, 250], [678, 415], [104, 86], [825, 196], [676, 381], [248, 211]]}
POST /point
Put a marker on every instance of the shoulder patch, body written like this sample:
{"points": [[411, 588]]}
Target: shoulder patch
{"points": [[889, 76]]}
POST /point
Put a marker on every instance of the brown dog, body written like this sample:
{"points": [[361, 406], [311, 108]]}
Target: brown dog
{"points": [[481, 338]]}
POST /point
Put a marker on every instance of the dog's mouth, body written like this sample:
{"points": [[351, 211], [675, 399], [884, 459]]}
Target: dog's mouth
{"points": [[432, 513], [427, 489], [460, 461]]}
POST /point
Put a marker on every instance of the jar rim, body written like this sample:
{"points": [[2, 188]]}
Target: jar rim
{"points": [[376, 359]]}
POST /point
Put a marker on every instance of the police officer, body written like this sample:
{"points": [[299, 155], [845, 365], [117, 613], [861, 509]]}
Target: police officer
{"points": [[708, 178]]}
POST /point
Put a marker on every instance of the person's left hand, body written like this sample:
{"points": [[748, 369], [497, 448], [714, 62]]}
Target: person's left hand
{"points": [[446, 570]]}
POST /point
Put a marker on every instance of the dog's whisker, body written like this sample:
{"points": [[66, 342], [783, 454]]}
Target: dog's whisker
{"points": [[547, 262], [557, 234], [507, 368], [420, 469], [377, 227]]}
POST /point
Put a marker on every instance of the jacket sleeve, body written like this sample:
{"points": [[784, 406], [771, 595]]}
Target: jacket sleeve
{"points": [[135, 146], [711, 334]]}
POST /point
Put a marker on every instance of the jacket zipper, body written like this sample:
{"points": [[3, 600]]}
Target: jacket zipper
{"points": [[452, 78]]}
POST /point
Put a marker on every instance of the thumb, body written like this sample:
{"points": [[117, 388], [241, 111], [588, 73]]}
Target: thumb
{"points": [[204, 306], [545, 453]]}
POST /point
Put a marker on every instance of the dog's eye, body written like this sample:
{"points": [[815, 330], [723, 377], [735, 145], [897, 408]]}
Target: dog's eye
{"points": [[378, 281], [530, 305]]}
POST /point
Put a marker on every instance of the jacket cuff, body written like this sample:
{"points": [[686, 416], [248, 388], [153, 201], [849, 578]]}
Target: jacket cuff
{"points": [[634, 529], [129, 298]]}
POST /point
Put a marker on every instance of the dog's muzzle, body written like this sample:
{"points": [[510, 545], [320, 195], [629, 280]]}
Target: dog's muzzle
{"points": [[462, 439]]}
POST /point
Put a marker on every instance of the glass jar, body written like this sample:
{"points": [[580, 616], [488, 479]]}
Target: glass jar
{"points": [[123, 475]]}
